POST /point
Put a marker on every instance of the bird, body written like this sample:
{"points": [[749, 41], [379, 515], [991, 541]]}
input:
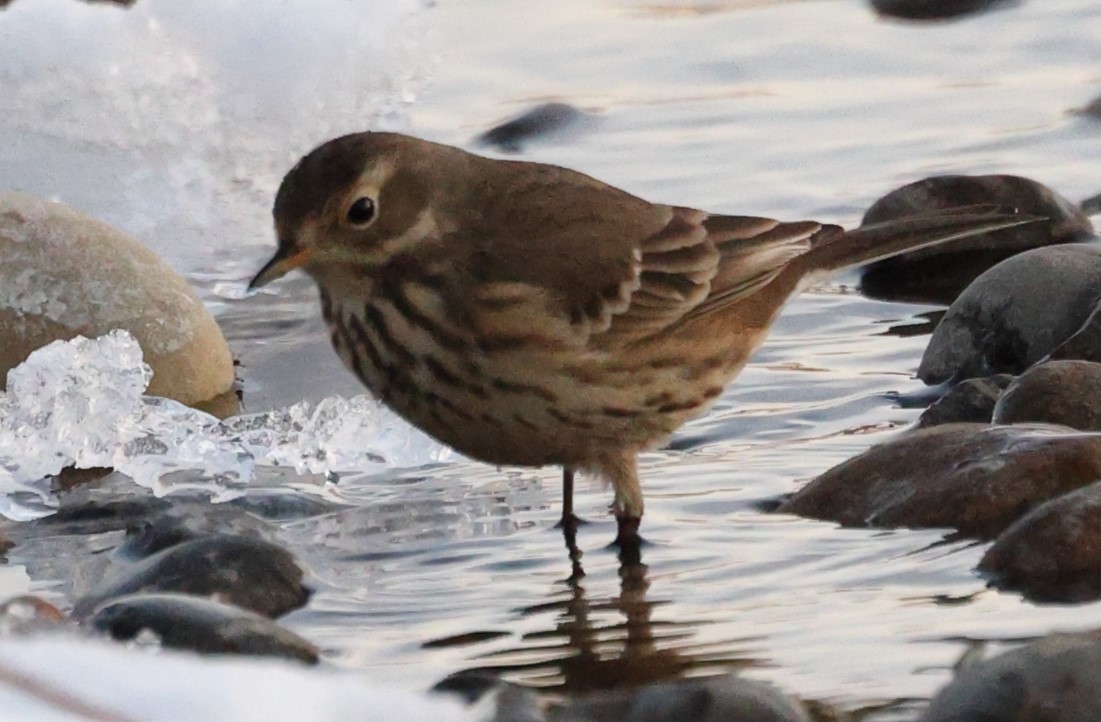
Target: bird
{"points": [[526, 314]]}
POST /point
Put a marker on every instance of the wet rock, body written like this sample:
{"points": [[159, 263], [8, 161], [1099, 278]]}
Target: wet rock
{"points": [[250, 573], [715, 699], [940, 273], [1053, 553], [184, 522], [1015, 314], [971, 401], [63, 274], [540, 122], [971, 477], [1085, 343], [936, 9], [181, 621], [1056, 392], [1092, 110], [1054, 679], [1091, 205]]}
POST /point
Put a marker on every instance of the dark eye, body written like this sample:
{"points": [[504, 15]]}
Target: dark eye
{"points": [[361, 212]]}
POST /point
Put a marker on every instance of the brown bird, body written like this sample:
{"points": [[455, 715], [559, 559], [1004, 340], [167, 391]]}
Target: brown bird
{"points": [[527, 314]]}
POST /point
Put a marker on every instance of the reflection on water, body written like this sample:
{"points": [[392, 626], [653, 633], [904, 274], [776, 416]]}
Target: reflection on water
{"points": [[792, 109]]}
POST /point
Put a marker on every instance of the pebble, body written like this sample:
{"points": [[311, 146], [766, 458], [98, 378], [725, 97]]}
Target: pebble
{"points": [[1054, 679], [973, 400], [1055, 392], [939, 274], [935, 9], [64, 274], [250, 573], [1015, 314], [538, 123], [182, 621], [975, 478], [1053, 553]]}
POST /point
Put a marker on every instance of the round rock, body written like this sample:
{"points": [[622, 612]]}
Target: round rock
{"points": [[249, 573], [181, 621], [1053, 553], [940, 273], [973, 400], [63, 274], [1054, 679], [1015, 314], [1056, 392], [975, 478]]}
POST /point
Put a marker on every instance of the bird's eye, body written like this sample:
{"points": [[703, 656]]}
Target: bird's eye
{"points": [[361, 212]]}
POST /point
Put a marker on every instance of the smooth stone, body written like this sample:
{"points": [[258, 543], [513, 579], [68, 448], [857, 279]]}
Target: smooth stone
{"points": [[975, 478], [1091, 205], [935, 9], [941, 273], [181, 621], [186, 521], [1015, 314], [1084, 344], [250, 573], [1053, 553], [64, 274], [1067, 393], [541, 122], [713, 699], [1054, 679], [971, 401]]}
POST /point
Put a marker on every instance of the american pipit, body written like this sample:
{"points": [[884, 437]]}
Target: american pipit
{"points": [[526, 314]]}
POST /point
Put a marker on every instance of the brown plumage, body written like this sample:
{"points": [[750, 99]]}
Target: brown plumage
{"points": [[528, 314]]}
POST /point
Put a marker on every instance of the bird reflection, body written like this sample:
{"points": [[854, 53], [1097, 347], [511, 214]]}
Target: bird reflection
{"points": [[582, 652]]}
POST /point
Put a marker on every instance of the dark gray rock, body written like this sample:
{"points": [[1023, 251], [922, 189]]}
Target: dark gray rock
{"points": [[1015, 314], [181, 621], [1054, 679], [541, 122], [250, 573], [970, 401], [1055, 392], [936, 9], [971, 477], [940, 273], [1053, 553], [714, 699], [1084, 344]]}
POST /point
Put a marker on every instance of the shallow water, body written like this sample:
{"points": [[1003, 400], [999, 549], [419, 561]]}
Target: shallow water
{"points": [[180, 130]]}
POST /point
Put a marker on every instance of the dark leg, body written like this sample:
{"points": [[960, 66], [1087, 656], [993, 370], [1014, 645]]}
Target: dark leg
{"points": [[569, 521], [627, 537]]}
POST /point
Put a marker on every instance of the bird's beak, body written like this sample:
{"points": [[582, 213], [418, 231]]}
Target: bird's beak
{"points": [[285, 260]]}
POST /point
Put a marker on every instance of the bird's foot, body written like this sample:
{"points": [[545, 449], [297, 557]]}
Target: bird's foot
{"points": [[628, 541], [570, 522]]}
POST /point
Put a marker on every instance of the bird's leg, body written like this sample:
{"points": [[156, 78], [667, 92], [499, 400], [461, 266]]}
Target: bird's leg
{"points": [[570, 521], [628, 506]]}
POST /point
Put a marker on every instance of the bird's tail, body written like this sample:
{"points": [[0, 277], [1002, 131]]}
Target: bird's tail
{"points": [[834, 249]]}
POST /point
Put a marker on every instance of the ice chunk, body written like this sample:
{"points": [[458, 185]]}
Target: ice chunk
{"points": [[79, 403]]}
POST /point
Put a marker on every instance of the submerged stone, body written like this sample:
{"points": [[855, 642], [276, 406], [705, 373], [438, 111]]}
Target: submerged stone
{"points": [[1053, 553], [1055, 392], [941, 272], [1054, 679], [975, 478], [1015, 314], [182, 621], [971, 401], [250, 573]]}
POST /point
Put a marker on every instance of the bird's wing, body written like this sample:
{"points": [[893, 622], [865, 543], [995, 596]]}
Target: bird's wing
{"points": [[614, 293], [698, 264]]}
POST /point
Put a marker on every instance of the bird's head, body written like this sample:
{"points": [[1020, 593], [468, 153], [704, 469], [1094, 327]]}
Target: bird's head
{"points": [[357, 200]]}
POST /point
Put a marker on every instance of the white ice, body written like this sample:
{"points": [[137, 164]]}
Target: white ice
{"points": [[69, 680], [80, 403]]}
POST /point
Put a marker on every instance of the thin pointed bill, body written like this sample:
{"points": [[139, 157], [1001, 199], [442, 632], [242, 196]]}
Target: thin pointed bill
{"points": [[285, 260]]}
